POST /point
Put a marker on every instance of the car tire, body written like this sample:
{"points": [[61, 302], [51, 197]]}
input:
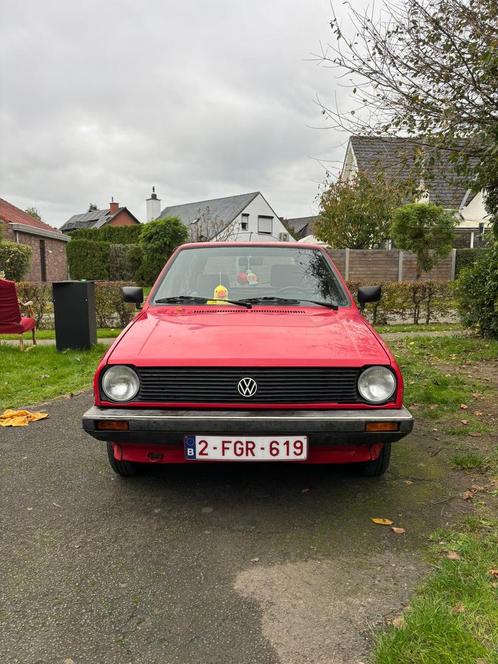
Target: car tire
{"points": [[379, 466], [122, 468]]}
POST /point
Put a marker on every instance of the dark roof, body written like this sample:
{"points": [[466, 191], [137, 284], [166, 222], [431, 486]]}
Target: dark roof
{"points": [[301, 226], [396, 157], [220, 210], [93, 219], [14, 215]]}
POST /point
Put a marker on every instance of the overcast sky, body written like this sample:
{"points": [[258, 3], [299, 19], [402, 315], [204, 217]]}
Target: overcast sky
{"points": [[203, 99]]}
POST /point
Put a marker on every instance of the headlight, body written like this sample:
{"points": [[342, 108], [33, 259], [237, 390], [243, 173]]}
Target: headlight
{"points": [[120, 383], [377, 384]]}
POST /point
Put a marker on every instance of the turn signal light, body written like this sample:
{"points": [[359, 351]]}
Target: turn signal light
{"points": [[113, 425], [382, 426]]}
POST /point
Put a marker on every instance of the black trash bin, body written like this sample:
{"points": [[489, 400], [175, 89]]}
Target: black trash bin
{"points": [[74, 313]]}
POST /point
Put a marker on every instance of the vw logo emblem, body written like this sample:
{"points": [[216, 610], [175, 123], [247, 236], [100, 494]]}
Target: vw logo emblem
{"points": [[247, 387]]}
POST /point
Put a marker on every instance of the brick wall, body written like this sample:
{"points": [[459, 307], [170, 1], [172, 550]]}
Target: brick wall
{"points": [[124, 218], [369, 266], [55, 255]]}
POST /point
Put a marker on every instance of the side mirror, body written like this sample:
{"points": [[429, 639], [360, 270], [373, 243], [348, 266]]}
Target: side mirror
{"points": [[368, 294], [134, 295]]}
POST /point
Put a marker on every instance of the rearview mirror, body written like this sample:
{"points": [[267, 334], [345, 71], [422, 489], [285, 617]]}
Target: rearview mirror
{"points": [[133, 294], [368, 294]]}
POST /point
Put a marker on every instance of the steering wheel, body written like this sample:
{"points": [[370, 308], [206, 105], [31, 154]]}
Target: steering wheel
{"points": [[293, 289]]}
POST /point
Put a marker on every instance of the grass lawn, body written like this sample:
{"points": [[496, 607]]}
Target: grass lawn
{"points": [[43, 373], [410, 327], [102, 333], [453, 618]]}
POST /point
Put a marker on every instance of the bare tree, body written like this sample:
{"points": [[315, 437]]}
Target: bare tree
{"points": [[209, 227], [427, 69]]}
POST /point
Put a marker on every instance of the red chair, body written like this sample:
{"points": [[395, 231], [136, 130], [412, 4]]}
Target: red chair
{"points": [[11, 321]]}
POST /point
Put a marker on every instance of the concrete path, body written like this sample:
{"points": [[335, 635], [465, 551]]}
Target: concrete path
{"points": [[215, 564]]}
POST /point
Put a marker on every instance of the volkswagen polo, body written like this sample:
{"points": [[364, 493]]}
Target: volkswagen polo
{"points": [[249, 352]]}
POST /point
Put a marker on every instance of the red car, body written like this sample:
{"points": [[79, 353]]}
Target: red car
{"points": [[249, 352]]}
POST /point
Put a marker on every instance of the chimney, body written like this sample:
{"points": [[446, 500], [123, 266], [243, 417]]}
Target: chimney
{"points": [[113, 207], [153, 206]]}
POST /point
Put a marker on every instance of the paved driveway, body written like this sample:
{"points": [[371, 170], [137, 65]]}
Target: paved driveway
{"points": [[197, 565]]}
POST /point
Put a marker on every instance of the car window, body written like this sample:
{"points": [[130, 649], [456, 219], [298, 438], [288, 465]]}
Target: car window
{"points": [[240, 272]]}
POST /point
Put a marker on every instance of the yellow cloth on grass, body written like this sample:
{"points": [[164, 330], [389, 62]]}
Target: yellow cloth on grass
{"points": [[19, 418]]}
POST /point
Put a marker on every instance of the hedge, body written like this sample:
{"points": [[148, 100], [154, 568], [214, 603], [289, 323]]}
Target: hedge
{"points": [[466, 257], [112, 311], [88, 259], [418, 301], [113, 234], [15, 260]]}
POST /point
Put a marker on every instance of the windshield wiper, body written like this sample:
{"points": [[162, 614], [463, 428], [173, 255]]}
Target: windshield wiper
{"points": [[287, 300], [195, 299]]}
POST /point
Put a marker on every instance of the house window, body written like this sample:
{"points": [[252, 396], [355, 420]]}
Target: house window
{"points": [[43, 261], [265, 224], [244, 224]]}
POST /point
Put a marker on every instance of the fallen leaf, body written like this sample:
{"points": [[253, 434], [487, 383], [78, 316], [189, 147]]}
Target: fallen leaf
{"points": [[475, 434], [382, 522], [398, 531], [465, 422], [467, 495], [435, 429], [408, 481], [478, 413], [458, 608], [255, 560], [463, 406], [304, 490], [398, 622], [494, 572], [453, 555]]}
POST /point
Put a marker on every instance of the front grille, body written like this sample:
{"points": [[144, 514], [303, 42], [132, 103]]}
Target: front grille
{"points": [[280, 385]]}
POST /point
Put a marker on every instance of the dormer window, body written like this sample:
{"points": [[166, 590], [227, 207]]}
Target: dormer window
{"points": [[244, 223]]}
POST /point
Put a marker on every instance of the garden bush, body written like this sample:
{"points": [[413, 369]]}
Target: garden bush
{"points": [[113, 234], [466, 257], [124, 261], [158, 240], [417, 301], [88, 259], [477, 293], [40, 294], [112, 311], [15, 260]]}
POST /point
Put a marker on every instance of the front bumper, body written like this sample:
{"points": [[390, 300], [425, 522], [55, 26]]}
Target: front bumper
{"points": [[323, 427]]}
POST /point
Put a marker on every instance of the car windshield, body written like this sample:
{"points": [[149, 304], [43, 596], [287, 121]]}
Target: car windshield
{"points": [[271, 275]]}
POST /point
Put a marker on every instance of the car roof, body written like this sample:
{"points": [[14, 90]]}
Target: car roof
{"points": [[286, 245]]}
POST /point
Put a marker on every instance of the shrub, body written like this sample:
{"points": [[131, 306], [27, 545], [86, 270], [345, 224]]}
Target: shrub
{"points": [[88, 259], [124, 261], [414, 300], [477, 293], [158, 240], [466, 257], [111, 310], [113, 234], [15, 260], [40, 294]]}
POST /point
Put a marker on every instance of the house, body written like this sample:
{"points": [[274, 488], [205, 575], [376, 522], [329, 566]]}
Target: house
{"points": [[396, 156], [114, 215], [245, 218], [48, 244], [302, 227]]}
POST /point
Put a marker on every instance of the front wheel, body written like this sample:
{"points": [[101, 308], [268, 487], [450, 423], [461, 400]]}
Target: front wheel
{"points": [[122, 468], [378, 466]]}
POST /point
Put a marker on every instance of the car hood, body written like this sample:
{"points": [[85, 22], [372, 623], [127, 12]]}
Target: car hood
{"points": [[209, 336]]}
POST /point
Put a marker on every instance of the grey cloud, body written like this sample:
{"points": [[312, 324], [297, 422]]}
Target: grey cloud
{"points": [[101, 99]]}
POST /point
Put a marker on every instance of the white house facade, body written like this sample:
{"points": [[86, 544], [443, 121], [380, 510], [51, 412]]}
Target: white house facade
{"points": [[243, 218]]}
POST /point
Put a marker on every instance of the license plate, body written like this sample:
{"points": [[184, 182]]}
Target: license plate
{"points": [[241, 448]]}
